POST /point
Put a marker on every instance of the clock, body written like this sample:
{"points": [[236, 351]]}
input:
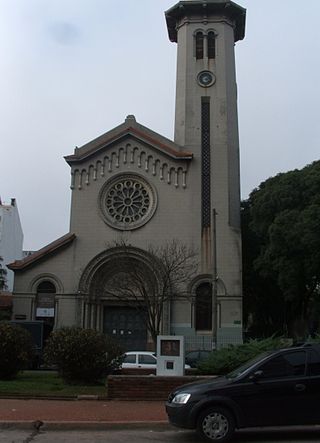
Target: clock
{"points": [[206, 79]]}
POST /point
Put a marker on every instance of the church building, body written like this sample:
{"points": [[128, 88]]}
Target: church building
{"points": [[133, 185]]}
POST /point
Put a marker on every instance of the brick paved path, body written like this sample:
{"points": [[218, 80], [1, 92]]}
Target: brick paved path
{"points": [[82, 410]]}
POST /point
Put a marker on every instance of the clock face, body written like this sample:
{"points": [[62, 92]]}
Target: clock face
{"points": [[206, 79]]}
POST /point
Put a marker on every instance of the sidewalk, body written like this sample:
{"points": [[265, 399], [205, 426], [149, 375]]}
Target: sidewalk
{"points": [[97, 414]]}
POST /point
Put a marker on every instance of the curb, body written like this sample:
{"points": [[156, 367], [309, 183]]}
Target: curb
{"points": [[52, 397], [84, 425]]}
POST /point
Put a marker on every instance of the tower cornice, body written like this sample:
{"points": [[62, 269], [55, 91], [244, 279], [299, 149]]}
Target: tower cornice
{"points": [[204, 9]]}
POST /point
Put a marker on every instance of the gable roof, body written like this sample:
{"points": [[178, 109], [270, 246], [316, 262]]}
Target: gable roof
{"points": [[49, 249], [134, 129]]}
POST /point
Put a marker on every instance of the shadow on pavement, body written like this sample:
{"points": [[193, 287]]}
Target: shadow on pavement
{"points": [[296, 434], [274, 435]]}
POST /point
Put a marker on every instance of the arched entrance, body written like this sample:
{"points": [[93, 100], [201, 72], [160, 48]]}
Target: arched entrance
{"points": [[109, 296]]}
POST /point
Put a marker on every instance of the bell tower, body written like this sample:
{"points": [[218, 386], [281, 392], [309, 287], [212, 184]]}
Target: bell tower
{"points": [[206, 123]]}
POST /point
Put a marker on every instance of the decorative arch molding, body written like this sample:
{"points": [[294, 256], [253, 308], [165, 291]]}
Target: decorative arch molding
{"points": [[46, 277], [205, 31], [206, 278], [107, 263], [202, 278], [151, 164]]}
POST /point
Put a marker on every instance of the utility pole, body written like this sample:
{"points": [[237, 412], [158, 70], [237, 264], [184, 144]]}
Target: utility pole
{"points": [[214, 280]]}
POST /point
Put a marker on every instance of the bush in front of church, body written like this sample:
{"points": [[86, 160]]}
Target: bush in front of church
{"points": [[16, 350], [229, 358], [82, 355]]}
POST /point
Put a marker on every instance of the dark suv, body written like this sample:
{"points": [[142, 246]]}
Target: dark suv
{"points": [[278, 388]]}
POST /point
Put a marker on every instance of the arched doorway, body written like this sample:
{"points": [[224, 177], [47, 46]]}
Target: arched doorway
{"points": [[109, 297]]}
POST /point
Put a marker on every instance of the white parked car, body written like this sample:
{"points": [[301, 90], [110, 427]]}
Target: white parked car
{"points": [[141, 360]]}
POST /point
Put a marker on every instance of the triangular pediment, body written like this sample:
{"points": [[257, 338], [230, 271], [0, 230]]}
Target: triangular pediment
{"points": [[130, 128]]}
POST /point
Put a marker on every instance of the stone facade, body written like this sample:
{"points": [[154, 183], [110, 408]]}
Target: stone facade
{"points": [[133, 185]]}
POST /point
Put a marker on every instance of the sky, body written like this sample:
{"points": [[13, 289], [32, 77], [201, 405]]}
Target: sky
{"points": [[73, 69]]}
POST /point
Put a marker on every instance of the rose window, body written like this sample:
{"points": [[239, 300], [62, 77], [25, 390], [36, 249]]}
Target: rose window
{"points": [[127, 202]]}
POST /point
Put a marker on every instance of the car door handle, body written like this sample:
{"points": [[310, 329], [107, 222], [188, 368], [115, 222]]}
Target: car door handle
{"points": [[299, 387]]}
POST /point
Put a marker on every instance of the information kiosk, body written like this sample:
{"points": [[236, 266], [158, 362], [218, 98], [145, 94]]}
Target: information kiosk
{"points": [[170, 355]]}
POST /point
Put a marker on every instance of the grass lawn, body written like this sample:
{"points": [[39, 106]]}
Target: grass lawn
{"points": [[38, 383]]}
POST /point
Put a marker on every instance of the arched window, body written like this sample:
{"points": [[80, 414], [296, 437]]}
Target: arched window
{"points": [[203, 307], [211, 45], [199, 45], [46, 287]]}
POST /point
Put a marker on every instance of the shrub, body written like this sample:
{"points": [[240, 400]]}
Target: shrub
{"points": [[229, 358], [16, 350], [5, 314], [82, 355]]}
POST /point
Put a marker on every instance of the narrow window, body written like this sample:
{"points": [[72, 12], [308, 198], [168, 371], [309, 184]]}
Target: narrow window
{"points": [[199, 45], [205, 163], [211, 45], [45, 305], [203, 307]]}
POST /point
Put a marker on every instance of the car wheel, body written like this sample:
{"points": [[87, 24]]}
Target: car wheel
{"points": [[216, 424]]}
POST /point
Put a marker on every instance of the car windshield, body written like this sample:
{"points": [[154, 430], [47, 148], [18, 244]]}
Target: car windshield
{"points": [[241, 369]]}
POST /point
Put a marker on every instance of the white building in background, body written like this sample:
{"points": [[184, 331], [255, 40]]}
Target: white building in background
{"points": [[11, 238]]}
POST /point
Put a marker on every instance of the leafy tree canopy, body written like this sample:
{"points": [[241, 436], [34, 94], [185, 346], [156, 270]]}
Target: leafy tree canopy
{"points": [[281, 236]]}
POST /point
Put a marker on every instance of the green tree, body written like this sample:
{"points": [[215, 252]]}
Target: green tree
{"points": [[281, 222], [261, 294], [5, 313], [3, 276]]}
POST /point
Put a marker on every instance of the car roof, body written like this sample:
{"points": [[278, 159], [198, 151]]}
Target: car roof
{"points": [[140, 352], [308, 345], [298, 346]]}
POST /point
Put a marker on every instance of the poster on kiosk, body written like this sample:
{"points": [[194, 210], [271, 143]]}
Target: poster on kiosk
{"points": [[170, 355]]}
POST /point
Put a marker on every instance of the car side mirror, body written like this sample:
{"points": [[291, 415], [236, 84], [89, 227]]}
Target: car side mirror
{"points": [[256, 375]]}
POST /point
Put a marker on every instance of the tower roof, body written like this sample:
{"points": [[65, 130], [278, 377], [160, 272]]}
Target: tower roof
{"points": [[205, 8]]}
